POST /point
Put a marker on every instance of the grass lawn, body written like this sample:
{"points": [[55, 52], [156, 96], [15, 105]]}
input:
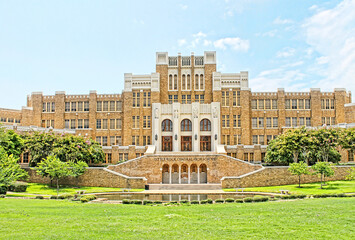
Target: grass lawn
{"points": [[42, 189], [307, 188], [56, 219]]}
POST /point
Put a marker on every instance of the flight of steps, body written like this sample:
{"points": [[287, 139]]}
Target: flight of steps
{"points": [[185, 187]]}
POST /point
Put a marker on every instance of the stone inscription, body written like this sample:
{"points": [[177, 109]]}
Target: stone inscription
{"points": [[184, 158]]}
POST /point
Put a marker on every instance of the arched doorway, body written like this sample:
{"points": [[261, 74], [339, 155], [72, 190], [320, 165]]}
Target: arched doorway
{"points": [[165, 172], [203, 173], [175, 174], [184, 174], [193, 174]]}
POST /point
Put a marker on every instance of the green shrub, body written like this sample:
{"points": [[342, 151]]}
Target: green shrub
{"points": [[195, 202], [248, 199], [239, 201], [351, 195], [2, 196], [84, 199], [285, 196], [39, 197], [300, 196], [158, 202], [18, 187], [126, 201], [173, 202], [185, 201], [203, 201], [229, 200], [90, 197], [341, 195], [145, 202], [209, 201], [260, 199], [321, 195], [138, 202], [219, 201], [65, 196], [3, 189], [53, 197]]}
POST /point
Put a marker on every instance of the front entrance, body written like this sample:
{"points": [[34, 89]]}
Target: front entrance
{"points": [[186, 143], [167, 143], [205, 143]]}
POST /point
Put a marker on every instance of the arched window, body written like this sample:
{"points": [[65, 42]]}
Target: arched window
{"points": [[205, 125], [186, 125], [175, 82], [170, 82], [188, 82], [167, 126], [183, 82], [201, 82], [196, 82]]}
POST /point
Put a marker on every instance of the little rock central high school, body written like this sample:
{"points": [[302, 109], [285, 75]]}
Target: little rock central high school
{"points": [[185, 106]]}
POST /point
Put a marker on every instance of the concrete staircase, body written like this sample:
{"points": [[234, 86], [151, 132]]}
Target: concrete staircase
{"points": [[185, 187]]}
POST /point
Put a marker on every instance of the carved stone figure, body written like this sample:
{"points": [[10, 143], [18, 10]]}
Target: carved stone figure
{"points": [[176, 113], [215, 112], [156, 113], [195, 112]]}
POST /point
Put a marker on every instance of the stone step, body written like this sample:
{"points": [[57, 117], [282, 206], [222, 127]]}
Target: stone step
{"points": [[185, 186]]}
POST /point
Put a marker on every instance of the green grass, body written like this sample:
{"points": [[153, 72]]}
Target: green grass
{"points": [[301, 219], [42, 189], [309, 188]]}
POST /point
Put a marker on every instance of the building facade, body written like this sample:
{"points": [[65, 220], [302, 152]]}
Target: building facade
{"points": [[184, 106]]}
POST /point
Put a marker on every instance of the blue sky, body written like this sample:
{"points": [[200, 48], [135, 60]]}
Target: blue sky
{"points": [[78, 46]]}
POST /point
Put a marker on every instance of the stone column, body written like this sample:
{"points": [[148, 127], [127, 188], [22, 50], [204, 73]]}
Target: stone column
{"points": [[198, 174], [195, 126], [170, 168], [215, 109], [156, 125], [176, 126], [188, 174], [179, 174]]}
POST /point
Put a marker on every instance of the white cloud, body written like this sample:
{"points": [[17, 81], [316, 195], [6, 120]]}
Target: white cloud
{"points": [[271, 33], [206, 43], [287, 52], [199, 35], [236, 44], [280, 21], [331, 33], [313, 7], [183, 7], [181, 42]]}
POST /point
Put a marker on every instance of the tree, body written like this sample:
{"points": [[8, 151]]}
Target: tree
{"points": [[10, 170], [324, 169], [295, 141], [351, 175], [324, 141], [11, 142], [299, 169], [276, 154], [65, 147], [55, 169], [347, 139]]}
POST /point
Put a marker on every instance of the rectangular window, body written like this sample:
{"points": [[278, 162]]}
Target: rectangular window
{"points": [[331, 104], [254, 122], [176, 98], [118, 124], [135, 121], [98, 124], [294, 122], [307, 104], [268, 139], [268, 122], [66, 122], [275, 122], [118, 140], [86, 123], [253, 103], [188, 99], [261, 140], [118, 106], [327, 104], [234, 121], [301, 121], [109, 158], [86, 106], [333, 121], [300, 103], [261, 122], [261, 104], [225, 98], [98, 140], [48, 107], [67, 106], [112, 106], [146, 140], [308, 121], [135, 140], [80, 123], [170, 99], [183, 100], [73, 106], [104, 124], [255, 139], [146, 99], [53, 106], [72, 123], [112, 140], [294, 103], [274, 103], [267, 104], [112, 124], [239, 123], [80, 106], [288, 122], [99, 106], [105, 106], [104, 141], [234, 98], [287, 104]]}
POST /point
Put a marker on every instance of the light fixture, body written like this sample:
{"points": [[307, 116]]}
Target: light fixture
{"points": [[156, 137], [215, 137], [195, 136], [175, 137]]}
